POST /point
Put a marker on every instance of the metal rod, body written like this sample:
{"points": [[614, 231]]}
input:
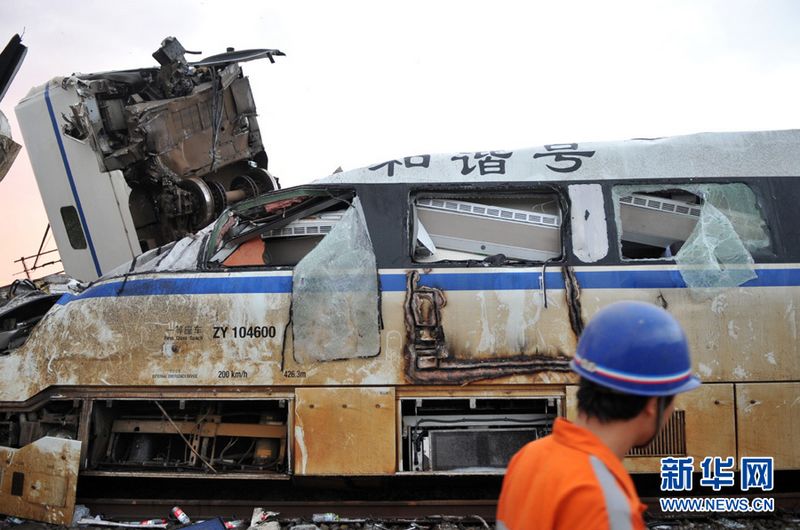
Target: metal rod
{"points": [[41, 245], [189, 445]]}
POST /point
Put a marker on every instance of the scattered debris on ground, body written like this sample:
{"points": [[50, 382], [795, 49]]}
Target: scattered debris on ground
{"points": [[263, 519]]}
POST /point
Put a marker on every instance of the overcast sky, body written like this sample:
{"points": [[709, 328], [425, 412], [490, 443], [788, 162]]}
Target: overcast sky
{"points": [[364, 82]]}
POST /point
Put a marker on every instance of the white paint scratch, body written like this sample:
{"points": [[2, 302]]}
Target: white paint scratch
{"points": [[719, 304], [733, 330], [393, 341], [301, 446], [750, 406], [791, 319], [705, 370], [771, 358], [487, 337]]}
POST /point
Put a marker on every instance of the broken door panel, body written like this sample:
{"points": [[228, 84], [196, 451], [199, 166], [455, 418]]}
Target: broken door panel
{"points": [[345, 431], [38, 481], [335, 295]]}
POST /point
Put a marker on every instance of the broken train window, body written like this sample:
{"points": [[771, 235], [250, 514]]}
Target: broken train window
{"points": [[280, 232], [493, 227], [712, 231]]}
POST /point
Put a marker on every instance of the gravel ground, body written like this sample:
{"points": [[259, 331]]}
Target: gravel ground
{"points": [[779, 521]]}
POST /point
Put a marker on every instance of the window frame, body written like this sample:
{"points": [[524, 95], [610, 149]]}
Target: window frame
{"points": [[465, 191]]}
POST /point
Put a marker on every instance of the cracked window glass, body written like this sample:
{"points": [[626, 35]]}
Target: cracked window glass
{"points": [[712, 231], [335, 295], [287, 245], [493, 228], [277, 233]]}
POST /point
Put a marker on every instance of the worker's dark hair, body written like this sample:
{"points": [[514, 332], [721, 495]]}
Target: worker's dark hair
{"points": [[608, 405]]}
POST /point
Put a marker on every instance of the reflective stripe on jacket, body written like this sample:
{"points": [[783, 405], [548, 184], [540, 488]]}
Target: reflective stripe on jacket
{"points": [[568, 481]]}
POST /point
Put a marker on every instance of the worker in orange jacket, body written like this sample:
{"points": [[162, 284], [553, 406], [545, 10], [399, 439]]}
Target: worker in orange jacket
{"points": [[632, 359]]}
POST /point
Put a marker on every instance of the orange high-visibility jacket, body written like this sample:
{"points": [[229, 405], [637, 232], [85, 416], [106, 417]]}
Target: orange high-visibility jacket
{"points": [[568, 481]]}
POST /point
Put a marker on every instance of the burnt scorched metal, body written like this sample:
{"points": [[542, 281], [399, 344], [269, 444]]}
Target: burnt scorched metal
{"points": [[428, 358], [573, 295]]}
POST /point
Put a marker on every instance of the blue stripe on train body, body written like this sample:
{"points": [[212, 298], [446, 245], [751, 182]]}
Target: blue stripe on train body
{"points": [[393, 282]]}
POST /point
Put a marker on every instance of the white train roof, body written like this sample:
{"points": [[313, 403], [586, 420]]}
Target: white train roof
{"points": [[704, 155]]}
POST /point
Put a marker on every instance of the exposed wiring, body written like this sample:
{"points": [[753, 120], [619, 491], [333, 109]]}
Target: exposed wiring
{"points": [[544, 279]]}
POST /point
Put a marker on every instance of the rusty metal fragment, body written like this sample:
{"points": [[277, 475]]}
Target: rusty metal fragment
{"points": [[38, 481]]}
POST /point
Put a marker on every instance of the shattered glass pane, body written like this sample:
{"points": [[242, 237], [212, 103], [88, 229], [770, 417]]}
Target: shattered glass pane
{"points": [[738, 203], [335, 295], [714, 255], [729, 228]]}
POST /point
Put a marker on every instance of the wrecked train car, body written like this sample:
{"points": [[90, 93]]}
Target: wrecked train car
{"points": [[422, 313], [131, 160]]}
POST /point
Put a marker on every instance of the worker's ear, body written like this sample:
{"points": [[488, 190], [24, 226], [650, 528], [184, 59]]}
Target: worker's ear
{"points": [[651, 407]]}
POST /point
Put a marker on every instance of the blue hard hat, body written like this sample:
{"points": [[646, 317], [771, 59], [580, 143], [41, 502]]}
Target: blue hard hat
{"points": [[635, 348]]}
